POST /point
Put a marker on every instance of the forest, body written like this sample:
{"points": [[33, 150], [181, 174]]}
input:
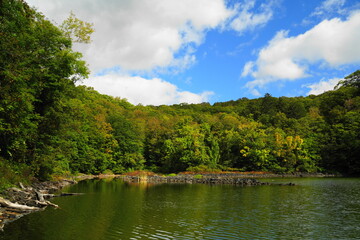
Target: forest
{"points": [[52, 126]]}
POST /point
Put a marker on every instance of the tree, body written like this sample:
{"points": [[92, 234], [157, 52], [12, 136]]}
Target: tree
{"points": [[129, 153], [37, 66], [352, 80], [76, 29]]}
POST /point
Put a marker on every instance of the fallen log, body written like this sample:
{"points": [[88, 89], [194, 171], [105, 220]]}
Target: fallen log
{"points": [[7, 203], [46, 203], [69, 194], [41, 200]]}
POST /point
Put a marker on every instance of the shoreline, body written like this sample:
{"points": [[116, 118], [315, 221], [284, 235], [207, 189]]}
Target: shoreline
{"points": [[267, 175], [232, 178], [16, 202]]}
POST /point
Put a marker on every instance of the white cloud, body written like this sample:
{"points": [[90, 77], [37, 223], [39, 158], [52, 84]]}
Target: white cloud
{"points": [[140, 34], [322, 86], [255, 92], [152, 37], [329, 6], [145, 91], [248, 69], [248, 19], [332, 43]]}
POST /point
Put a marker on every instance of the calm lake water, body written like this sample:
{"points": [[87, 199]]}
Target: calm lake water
{"points": [[316, 208]]}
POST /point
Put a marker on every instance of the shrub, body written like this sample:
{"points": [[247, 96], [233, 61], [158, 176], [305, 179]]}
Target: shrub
{"points": [[202, 168], [11, 174], [198, 176], [108, 172]]}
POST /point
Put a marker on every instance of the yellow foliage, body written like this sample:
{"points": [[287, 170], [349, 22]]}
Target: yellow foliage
{"points": [[76, 29]]}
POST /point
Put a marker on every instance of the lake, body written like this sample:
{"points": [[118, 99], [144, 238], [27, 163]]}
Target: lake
{"points": [[316, 208]]}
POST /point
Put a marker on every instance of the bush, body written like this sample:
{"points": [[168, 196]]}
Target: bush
{"points": [[198, 176], [202, 168], [108, 172], [11, 175]]}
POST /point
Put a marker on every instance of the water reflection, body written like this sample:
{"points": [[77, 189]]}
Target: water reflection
{"points": [[314, 209]]}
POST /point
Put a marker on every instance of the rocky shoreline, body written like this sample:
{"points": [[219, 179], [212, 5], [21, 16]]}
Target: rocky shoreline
{"points": [[262, 175], [194, 179], [16, 202], [241, 179]]}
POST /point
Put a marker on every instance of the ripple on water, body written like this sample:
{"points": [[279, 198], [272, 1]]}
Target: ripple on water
{"points": [[314, 209]]}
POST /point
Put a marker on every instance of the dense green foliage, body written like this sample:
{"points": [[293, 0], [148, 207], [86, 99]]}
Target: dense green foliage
{"points": [[50, 126]]}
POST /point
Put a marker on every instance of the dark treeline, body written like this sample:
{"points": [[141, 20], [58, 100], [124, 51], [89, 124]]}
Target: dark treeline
{"points": [[48, 126]]}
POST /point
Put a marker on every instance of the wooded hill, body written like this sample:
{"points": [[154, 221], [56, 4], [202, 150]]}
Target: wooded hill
{"points": [[49, 126]]}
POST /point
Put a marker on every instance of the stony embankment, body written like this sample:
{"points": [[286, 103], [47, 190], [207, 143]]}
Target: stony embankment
{"points": [[234, 178], [213, 177], [18, 201], [239, 180], [194, 179], [260, 175]]}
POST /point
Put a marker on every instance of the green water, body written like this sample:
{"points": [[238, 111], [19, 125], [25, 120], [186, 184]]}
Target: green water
{"points": [[317, 208]]}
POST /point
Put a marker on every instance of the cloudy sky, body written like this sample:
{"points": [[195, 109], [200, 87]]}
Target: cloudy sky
{"points": [[173, 51]]}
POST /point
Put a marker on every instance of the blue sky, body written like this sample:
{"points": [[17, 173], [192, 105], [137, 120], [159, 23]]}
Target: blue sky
{"points": [[172, 51]]}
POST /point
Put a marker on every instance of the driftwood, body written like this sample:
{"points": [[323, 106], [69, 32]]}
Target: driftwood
{"points": [[26, 199], [22, 186], [46, 203], [41, 200], [7, 203], [40, 196], [68, 194]]}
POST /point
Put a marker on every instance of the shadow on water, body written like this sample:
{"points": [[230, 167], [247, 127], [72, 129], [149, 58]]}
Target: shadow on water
{"points": [[313, 209]]}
